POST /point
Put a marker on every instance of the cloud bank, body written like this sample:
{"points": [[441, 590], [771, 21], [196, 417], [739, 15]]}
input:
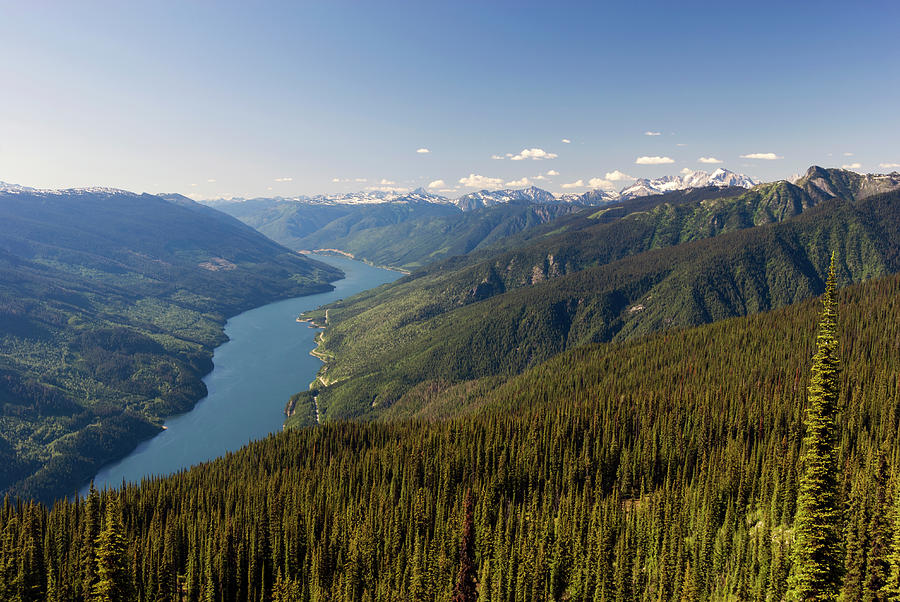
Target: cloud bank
{"points": [[618, 176], [535, 154], [479, 181], [763, 156], [654, 160]]}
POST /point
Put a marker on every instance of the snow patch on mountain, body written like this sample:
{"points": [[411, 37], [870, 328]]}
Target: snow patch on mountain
{"points": [[694, 179], [489, 198], [363, 197], [8, 188]]}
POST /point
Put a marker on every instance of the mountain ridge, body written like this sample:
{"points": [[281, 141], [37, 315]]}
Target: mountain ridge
{"points": [[587, 279], [530, 194], [111, 303]]}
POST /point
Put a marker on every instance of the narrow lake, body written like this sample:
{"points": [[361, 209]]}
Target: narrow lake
{"points": [[264, 362]]}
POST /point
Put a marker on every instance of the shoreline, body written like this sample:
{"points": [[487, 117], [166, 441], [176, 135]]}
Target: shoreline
{"points": [[349, 255], [209, 354], [161, 423]]}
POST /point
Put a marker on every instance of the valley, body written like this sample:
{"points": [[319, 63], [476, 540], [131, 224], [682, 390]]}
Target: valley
{"points": [[110, 311], [685, 259], [265, 360], [630, 373], [449, 302]]}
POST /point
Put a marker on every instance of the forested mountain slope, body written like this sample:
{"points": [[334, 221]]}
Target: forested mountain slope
{"points": [[110, 306], [659, 468], [599, 279], [405, 235]]}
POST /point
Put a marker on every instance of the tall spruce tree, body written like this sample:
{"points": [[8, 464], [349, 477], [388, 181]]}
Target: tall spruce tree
{"points": [[892, 587], [112, 558], [467, 580], [817, 557]]}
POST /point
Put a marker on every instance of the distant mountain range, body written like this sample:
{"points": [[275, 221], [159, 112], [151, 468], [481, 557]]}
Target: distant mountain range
{"points": [[111, 304], [721, 178], [488, 198], [625, 270], [695, 179], [6, 187]]}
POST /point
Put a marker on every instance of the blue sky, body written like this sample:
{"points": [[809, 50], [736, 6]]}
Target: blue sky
{"points": [[268, 98]]}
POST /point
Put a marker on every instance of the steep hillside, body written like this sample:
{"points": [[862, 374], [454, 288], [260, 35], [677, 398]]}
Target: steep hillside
{"points": [[662, 468], [406, 235], [821, 183], [671, 265], [110, 306]]}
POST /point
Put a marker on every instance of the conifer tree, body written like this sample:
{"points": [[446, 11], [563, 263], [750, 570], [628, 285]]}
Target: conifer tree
{"points": [[892, 587], [879, 530], [817, 558], [112, 558], [466, 581]]}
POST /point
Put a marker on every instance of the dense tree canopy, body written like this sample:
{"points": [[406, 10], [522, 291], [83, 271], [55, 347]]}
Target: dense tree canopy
{"points": [[663, 468]]}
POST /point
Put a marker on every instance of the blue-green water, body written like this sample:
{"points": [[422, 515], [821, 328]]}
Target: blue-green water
{"points": [[264, 362]]}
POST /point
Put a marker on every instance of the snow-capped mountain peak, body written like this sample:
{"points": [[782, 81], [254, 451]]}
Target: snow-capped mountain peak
{"points": [[18, 189], [694, 179], [364, 197], [7, 187], [489, 198]]}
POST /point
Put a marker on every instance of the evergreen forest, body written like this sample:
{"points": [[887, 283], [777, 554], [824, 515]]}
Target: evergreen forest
{"points": [[664, 467]]}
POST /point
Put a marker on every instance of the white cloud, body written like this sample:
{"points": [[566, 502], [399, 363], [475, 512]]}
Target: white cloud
{"points": [[654, 160], [533, 153], [709, 160], [540, 177], [575, 184], [552, 172], [437, 184], [889, 165], [422, 151], [763, 156], [649, 133], [479, 181], [284, 179], [680, 144], [851, 166], [386, 185], [687, 170], [446, 190], [848, 154], [361, 180], [335, 180], [211, 181], [497, 157], [566, 141], [601, 183], [521, 182], [618, 176]]}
